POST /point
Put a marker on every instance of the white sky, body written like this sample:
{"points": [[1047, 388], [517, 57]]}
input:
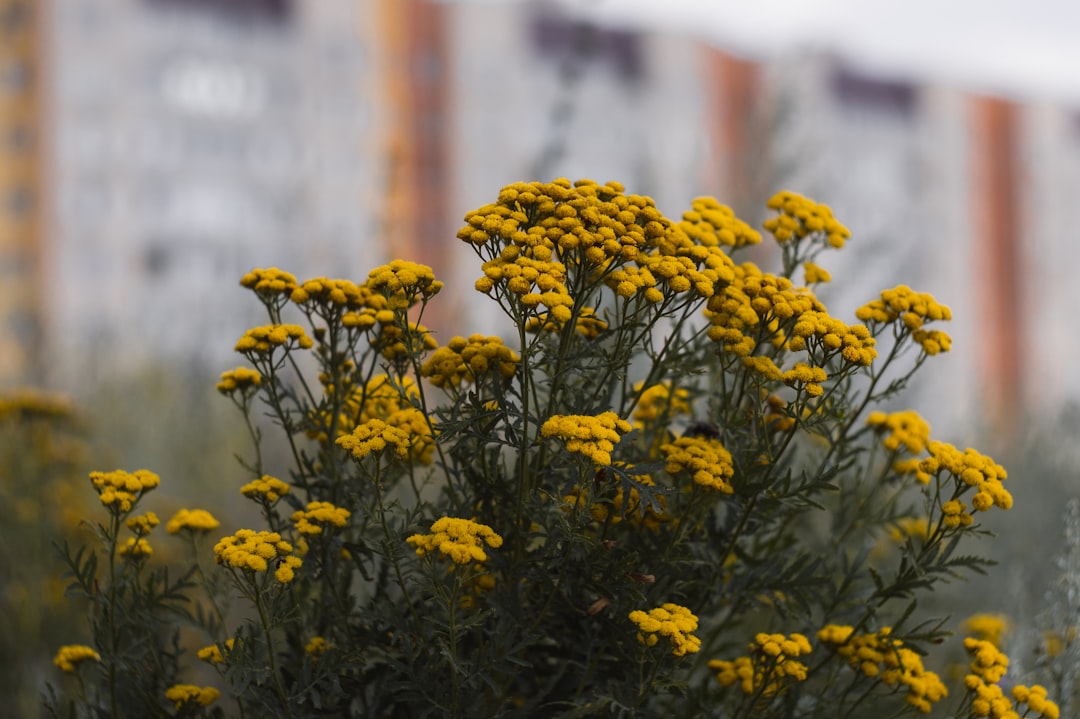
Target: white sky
{"points": [[1026, 48]]}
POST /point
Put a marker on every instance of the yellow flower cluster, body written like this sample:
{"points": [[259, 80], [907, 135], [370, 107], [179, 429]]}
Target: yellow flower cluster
{"points": [[251, 551], [880, 655], [705, 458], [317, 514], [374, 436], [394, 343], [587, 324], [316, 647], [269, 283], [461, 540], [772, 663], [912, 309], [711, 224], [752, 307], [120, 490], [906, 527], [668, 620], [659, 403], [591, 436], [241, 378], [973, 469], [819, 332], [815, 274], [466, 360], [382, 399], [265, 489], [322, 291], [807, 378], [905, 429], [404, 283], [136, 548], [192, 520], [70, 656], [182, 694], [213, 654], [988, 666], [35, 403], [262, 340], [143, 524], [987, 627], [799, 217], [618, 507]]}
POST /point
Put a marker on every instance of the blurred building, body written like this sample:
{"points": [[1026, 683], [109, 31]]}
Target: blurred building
{"points": [[152, 151]]}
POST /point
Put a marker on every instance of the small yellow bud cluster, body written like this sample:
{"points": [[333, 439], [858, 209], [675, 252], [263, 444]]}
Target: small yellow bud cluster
{"points": [[905, 527], [143, 524], [262, 340], [799, 217], [461, 540], [251, 551], [269, 283], [912, 309], [213, 654], [880, 655], [316, 515], [705, 458], [404, 283], [316, 647], [591, 436], [659, 404], [265, 489], [70, 656], [587, 324], [614, 505], [668, 620], [771, 665], [466, 360], [321, 291], [136, 548], [182, 694], [906, 429], [711, 224], [374, 436], [753, 305], [120, 490], [823, 334], [815, 274], [395, 343], [807, 378], [987, 627], [192, 520], [972, 469], [243, 379], [988, 667], [29, 403]]}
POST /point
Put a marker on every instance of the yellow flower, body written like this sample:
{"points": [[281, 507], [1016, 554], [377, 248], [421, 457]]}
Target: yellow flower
{"points": [[311, 520], [262, 340], [324, 292], [265, 489], [973, 469], [987, 627], [910, 310], [404, 283], [143, 524], [243, 379], [771, 665], [70, 656], [120, 490], [27, 403], [252, 551], [705, 458], [815, 274], [709, 223], [799, 217], [181, 694], [673, 621], [269, 283], [462, 540], [658, 403], [906, 429], [467, 360], [374, 436], [193, 520], [316, 647], [136, 548], [213, 654], [592, 436]]}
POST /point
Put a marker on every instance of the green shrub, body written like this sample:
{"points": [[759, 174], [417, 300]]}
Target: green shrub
{"points": [[669, 492]]}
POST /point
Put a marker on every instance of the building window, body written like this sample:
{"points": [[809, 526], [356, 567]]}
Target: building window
{"points": [[277, 11], [886, 96], [563, 39]]}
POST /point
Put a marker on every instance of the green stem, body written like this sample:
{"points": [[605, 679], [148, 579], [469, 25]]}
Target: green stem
{"points": [[265, 621]]}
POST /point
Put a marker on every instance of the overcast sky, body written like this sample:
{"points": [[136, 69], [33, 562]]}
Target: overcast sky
{"points": [[1026, 48]]}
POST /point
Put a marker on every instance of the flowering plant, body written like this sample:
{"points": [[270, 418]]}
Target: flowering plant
{"points": [[668, 489]]}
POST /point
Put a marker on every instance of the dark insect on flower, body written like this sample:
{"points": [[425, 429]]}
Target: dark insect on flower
{"points": [[703, 429]]}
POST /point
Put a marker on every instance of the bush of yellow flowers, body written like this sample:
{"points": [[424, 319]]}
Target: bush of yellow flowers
{"points": [[663, 490]]}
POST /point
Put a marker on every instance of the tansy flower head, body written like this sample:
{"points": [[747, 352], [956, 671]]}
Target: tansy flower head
{"points": [[905, 429], [263, 340], [70, 656], [270, 283], [318, 515], [265, 489], [213, 653], [404, 283], [182, 694], [467, 360], [120, 490], [461, 540], [799, 217], [771, 665], [251, 551], [987, 627], [242, 379], [704, 458], [143, 524], [192, 520], [591, 436], [668, 620]]}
